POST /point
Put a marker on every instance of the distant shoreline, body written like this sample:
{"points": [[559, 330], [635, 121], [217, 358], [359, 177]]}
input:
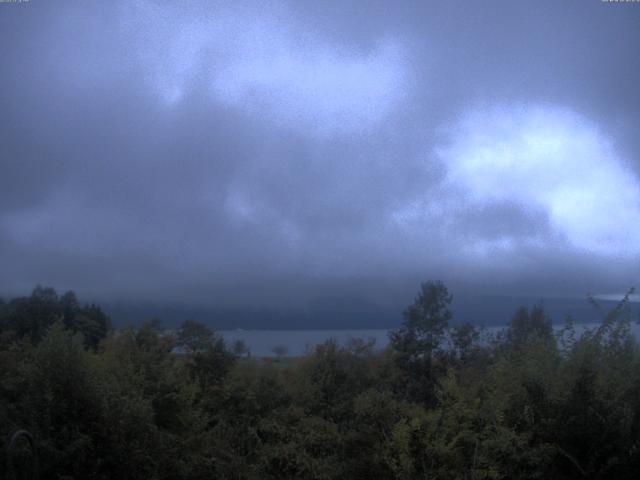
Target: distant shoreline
{"points": [[261, 342]]}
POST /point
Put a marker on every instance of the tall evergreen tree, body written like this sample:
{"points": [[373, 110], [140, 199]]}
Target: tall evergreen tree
{"points": [[420, 337]]}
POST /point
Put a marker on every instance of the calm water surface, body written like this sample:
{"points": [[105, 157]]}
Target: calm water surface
{"points": [[298, 342]]}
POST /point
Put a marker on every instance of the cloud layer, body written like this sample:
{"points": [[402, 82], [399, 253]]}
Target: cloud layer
{"points": [[197, 151], [553, 161]]}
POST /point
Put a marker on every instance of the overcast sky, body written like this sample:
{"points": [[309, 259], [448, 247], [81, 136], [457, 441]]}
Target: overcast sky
{"points": [[255, 152]]}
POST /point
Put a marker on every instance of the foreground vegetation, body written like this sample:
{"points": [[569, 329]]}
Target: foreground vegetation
{"points": [[439, 403]]}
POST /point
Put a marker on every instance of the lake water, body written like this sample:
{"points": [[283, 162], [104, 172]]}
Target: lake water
{"points": [[298, 342]]}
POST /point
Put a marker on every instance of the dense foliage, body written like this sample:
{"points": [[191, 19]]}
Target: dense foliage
{"points": [[440, 402]]}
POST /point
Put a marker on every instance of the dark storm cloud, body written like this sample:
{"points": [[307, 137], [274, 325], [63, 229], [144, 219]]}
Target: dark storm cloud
{"points": [[191, 151]]}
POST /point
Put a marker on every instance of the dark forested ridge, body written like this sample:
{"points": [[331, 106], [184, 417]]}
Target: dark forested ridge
{"points": [[440, 402], [335, 313]]}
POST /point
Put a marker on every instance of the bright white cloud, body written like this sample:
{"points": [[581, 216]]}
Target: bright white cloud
{"points": [[552, 159], [258, 62], [314, 88]]}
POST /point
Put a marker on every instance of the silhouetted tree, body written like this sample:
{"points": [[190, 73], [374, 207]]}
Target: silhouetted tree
{"points": [[241, 349], [194, 336], [280, 351], [31, 317], [528, 327], [420, 337], [463, 339]]}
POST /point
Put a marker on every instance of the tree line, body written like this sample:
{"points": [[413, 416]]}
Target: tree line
{"points": [[440, 402]]}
